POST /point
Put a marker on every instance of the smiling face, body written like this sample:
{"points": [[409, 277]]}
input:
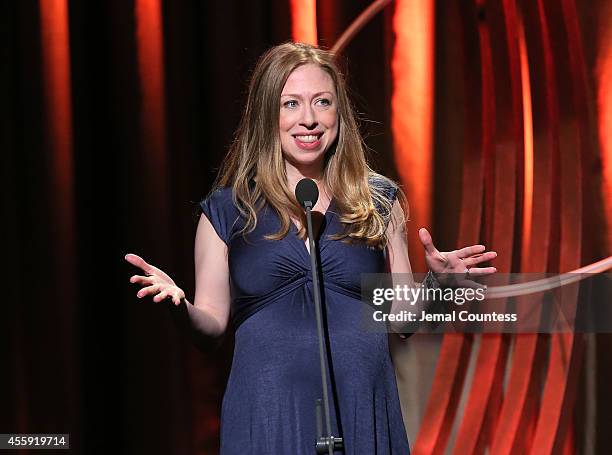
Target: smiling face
{"points": [[308, 121]]}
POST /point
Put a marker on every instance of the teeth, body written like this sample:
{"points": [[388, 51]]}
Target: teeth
{"points": [[309, 138]]}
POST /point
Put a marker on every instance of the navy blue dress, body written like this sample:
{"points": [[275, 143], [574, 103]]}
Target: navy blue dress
{"points": [[269, 402]]}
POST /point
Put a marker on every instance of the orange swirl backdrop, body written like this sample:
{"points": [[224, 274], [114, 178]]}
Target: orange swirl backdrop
{"points": [[496, 116]]}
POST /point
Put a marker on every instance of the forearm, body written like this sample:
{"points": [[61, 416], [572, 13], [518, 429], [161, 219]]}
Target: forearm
{"points": [[196, 321], [416, 304]]}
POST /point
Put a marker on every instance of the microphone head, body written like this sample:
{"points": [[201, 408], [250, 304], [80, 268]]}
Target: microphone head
{"points": [[306, 191]]}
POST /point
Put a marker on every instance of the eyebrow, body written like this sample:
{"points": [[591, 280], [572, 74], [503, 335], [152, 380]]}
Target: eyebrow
{"points": [[295, 95]]}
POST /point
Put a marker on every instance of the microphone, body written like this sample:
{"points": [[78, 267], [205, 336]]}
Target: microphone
{"points": [[307, 193]]}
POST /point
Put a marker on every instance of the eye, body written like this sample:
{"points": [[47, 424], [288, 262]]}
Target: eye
{"points": [[290, 104], [323, 102]]}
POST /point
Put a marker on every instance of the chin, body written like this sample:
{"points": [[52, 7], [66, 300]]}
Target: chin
{"points": [[300, 157]]}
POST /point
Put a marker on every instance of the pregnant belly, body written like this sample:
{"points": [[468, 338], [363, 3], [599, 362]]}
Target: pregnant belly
{"points": [[278, 344]]}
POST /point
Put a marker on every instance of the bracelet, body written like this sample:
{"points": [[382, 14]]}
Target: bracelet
{"points": [[430, 281]]}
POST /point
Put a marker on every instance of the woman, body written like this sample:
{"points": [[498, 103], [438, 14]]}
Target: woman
{"points": [[252, 261]]}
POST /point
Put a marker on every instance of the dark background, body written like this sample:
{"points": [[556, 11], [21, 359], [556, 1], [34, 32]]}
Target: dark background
{"points": [[81, 354]]}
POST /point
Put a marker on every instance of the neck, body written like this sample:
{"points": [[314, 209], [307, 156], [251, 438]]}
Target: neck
{"points": [[295, 173]]}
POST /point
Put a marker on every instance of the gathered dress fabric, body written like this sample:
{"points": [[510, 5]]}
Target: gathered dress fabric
{"points": [[269, 402]]}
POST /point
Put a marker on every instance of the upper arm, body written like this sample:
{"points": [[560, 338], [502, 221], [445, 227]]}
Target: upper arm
{"points": [[397, 245], [397, 255], [212, 292]]}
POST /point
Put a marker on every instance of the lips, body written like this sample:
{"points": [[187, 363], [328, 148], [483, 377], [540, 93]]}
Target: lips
{"points": [[308, 141], [308, 138]]}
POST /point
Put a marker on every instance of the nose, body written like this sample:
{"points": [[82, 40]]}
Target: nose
{"points": [[308, 119]]}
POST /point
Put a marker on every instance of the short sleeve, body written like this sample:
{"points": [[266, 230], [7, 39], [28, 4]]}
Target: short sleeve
{"points": [[220, 210], [385, 188], [390, 190]]}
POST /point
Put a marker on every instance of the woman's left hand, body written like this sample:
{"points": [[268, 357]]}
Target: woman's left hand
{"points": [[455, 266]]}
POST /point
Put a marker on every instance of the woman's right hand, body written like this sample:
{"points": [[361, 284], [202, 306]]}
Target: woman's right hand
{"points": [[155, 282]]}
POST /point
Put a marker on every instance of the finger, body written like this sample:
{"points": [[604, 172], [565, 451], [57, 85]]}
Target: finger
{"points": [[477, 259], [139, 262], [427, 242], [176, 298], [470, 251], [148, 290], [474, 271], [142, 279], [161, 296]]}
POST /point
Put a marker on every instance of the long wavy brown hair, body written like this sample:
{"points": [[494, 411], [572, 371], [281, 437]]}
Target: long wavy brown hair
{"points": [[255, 168]]}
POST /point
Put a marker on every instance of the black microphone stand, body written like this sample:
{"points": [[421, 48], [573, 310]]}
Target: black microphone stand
{"points": [[327, 443]]}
